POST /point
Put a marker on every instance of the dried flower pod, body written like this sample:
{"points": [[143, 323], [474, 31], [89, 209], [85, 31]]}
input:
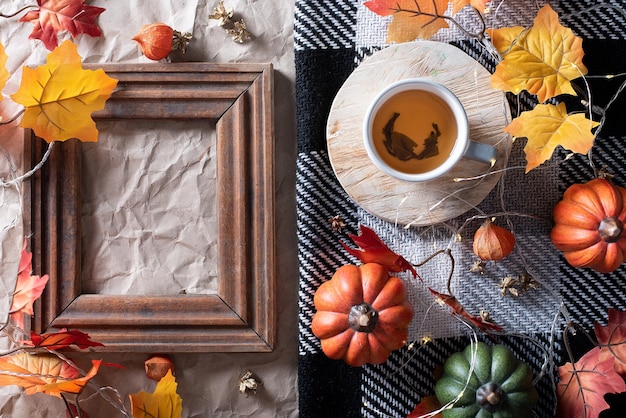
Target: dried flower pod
{"points": [[180, 41], [248, 383], [222, 13], [157, 366], [239, 32], [492, 242], [155, 40]]}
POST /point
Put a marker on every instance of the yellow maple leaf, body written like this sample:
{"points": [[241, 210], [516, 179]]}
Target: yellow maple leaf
{"points": [[504, 38], [477, 4], [44, 373], [548, 126], [60, 96], [542, 60], [412, 19], [4, 73], [164, 402]]}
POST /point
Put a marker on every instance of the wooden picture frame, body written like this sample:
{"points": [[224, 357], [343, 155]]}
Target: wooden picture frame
{"points": [[241, 316]]}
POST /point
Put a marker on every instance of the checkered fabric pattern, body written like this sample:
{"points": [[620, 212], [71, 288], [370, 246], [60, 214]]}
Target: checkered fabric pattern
{"points": [[331, 38]]}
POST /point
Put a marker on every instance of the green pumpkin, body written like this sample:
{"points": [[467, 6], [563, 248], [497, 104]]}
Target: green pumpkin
{"points": [[500, 386]]}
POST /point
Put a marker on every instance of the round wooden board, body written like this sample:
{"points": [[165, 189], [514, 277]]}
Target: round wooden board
{"points": [[437, 200]]}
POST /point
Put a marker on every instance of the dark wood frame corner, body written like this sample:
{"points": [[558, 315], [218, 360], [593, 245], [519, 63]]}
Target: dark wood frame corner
{"points": [[241, 316]]}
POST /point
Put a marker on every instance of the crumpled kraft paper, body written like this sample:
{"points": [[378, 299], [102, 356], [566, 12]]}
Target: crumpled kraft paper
{"points": [[152, 207]]}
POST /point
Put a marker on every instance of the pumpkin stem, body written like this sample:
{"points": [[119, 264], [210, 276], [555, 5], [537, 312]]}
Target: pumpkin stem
{"points": [[363, 317], [489, 396], [610, 229]]}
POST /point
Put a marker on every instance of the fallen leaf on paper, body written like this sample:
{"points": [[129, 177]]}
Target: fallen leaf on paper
{"points": [[45, 373], [60, 96], [53, 16], [28, 288], [164, 402], [612, 339], [72, 386], [412, 19], [582, 386], [542, 60], [61, 339], [548, 126], [373, 250]]}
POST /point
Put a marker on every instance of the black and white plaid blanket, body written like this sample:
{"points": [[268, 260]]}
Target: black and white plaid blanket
{"points": [[331, 38]]}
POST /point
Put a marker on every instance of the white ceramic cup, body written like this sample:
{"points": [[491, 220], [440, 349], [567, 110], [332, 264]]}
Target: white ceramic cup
{"points": [[463, 147]]}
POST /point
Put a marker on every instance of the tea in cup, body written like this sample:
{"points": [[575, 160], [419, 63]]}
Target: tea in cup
{"points": [[417, 130]]}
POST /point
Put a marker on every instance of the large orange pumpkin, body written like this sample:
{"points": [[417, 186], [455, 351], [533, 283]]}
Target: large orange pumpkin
{"points": [[589, 225], [363, 314]]}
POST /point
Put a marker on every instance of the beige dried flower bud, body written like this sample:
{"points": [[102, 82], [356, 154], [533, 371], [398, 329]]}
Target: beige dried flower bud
{"points": [[239, 32], [157, 366], [222, 14]]}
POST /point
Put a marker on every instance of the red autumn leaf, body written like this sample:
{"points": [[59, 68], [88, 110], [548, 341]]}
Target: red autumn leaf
{"points": [[74, 412], [373, 250], [27, 289], [61, 339], [612, 340], [428, 405], [458, 309], [53, 16], [582, 386]]}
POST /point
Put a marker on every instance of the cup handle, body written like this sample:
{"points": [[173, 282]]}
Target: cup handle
{"points": [[483, 153]]}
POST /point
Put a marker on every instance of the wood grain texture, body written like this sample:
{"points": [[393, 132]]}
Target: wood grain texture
{"points": [[241, 317], [409, 203]]}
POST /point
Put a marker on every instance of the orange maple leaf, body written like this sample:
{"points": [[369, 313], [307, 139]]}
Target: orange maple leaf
{"points": [[164, 402], [4, 73], [548, 126], [44, 373], [477, 4], [71, 386], [542, 60], [53, 16], [27, 289], [60, 96], [582, 385], [412, 19]]}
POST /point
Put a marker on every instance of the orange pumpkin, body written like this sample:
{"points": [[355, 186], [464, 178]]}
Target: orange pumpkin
{"points": [[363, 314], [589, 225]]}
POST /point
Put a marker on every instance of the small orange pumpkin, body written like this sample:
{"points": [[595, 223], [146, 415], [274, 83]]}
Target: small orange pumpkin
{"points": [[363, 314], [492, 242], [589, 225]]}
